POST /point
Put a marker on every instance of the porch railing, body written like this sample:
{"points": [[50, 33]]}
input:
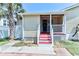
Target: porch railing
{"points": [[51, 33], [38, 34], [57, 27]]}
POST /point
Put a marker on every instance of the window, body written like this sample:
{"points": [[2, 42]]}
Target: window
{"points": [[4, 23], [57, 19]]}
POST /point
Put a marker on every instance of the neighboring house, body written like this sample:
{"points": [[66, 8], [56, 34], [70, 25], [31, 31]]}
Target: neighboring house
{"points": [[72, 19], [18, 29], [3, 27]]}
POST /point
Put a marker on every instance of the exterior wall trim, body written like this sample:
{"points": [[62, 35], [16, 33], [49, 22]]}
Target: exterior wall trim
{"points": [[64, 23], [22, 27], [48, 13], [71, 7]]}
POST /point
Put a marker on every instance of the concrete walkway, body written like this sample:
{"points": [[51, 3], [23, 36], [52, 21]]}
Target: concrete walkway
{"points": [[62, 52], [25, 50], [41, 50], [8, 45]]}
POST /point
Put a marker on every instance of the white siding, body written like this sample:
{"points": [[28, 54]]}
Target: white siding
{"points": [[72, 13], [1, 22], [3, 28], [71, 24], [72, 19], [30, 25]]}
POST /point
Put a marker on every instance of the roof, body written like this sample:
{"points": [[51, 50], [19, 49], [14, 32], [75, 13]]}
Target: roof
{"points": [[71, 7], [46, 13]]}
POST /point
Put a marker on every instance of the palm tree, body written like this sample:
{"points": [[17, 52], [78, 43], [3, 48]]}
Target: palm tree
{"points": [[11, 11]]}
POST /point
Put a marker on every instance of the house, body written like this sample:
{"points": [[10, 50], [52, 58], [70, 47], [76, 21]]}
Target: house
{"points": [[39, 26], [43, 28]]}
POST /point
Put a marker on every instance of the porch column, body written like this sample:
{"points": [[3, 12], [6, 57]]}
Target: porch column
{"points": [[51, 33], [51, 30], [50, 20]]}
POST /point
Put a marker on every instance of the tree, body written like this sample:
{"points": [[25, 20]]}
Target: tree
{"points": [[11, 11]]}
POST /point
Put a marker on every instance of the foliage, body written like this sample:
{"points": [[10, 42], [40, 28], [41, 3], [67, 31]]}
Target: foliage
{"points": [[3, 41], [71, 46], [10, 11]]}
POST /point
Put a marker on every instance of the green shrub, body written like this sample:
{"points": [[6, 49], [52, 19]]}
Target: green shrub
{"points": [[6, 38], [3, 39]]}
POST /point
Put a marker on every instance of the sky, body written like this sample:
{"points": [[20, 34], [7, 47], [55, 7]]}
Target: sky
{"points": [[45, 7]]}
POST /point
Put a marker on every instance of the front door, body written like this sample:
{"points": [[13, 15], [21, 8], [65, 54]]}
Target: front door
{"points": [[44, 24]]}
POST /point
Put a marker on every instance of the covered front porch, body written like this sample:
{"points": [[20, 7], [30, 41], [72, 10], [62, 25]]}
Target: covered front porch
{"points": [[50, 25], [55, 20]]}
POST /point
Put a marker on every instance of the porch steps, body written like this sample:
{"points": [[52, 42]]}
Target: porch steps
{"points": [[45, 38]]}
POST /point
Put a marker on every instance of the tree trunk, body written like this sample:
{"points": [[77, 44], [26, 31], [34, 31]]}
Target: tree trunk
{"points": [[11, 21]]}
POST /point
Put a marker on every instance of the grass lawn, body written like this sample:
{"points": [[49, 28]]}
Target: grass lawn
{"points": [[2, 42], [71, 46], [24, 43]]}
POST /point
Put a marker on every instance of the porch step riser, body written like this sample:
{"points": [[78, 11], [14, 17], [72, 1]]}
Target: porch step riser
{"points": [[44, 38], [44, 35], [45, 42]]}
